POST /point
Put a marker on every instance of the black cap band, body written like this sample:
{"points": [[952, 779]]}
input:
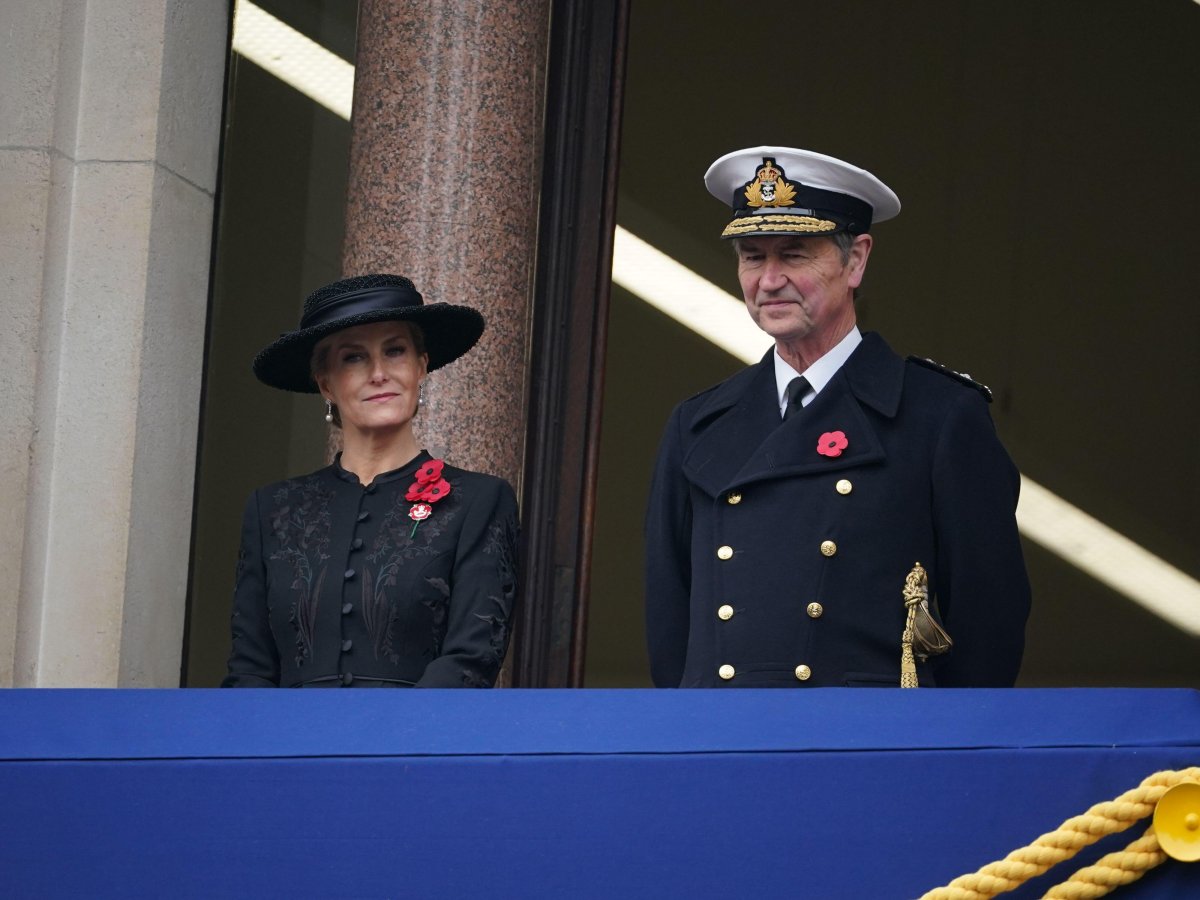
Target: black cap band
{"points": [[811, 201]]}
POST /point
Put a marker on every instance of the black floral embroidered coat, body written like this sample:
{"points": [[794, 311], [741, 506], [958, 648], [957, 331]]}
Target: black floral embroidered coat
{"points": [[335, 586], [769, 564]]}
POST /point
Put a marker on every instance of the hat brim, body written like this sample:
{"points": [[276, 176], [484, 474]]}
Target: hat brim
{"points": [[449, 331]]}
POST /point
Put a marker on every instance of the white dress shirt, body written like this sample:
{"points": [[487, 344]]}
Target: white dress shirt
{"points": [[819, 373]]}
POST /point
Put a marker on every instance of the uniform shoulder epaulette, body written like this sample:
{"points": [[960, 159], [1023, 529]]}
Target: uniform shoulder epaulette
{"points": [[960, 377]]}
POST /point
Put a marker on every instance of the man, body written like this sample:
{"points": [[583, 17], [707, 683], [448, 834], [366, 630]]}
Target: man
{"points": [[790, 503]]}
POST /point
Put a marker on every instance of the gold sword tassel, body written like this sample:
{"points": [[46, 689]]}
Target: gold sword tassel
{"points": [[920, 628]]}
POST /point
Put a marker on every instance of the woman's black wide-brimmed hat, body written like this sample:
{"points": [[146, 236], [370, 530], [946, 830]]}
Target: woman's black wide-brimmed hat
{"points": [[450, 331]]}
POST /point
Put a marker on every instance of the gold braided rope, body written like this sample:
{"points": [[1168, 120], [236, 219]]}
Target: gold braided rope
{"points": [[1068, 839], [1112, 870]]}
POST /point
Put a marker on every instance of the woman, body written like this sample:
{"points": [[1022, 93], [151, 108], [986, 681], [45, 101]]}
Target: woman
{"points": [[387, 568]]}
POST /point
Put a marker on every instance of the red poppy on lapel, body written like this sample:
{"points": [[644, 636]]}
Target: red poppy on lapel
{"points": [[429, 487], [431, 472], [832, 443], [428, 493]]}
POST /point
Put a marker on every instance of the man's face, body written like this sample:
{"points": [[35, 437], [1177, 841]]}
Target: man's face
{"points": [[798, 288]]}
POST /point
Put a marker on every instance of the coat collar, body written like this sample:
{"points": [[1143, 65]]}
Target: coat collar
{"points": [[739, 437], [876, 375]]}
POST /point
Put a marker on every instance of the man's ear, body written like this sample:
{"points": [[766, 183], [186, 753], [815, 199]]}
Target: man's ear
{"points": [[860, 250]]}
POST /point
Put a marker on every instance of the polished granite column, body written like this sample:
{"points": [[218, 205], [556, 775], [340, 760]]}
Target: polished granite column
{"points": [[445, 172]]}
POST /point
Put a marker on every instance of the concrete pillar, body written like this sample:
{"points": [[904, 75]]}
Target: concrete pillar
{"points": [[444, 181], [109, 130]]}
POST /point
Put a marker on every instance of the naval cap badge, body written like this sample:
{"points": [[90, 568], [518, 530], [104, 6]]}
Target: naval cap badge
{"points": [[770, 186]]}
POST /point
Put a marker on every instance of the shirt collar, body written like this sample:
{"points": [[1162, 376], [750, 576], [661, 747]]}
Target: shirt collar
{"points": [[819, 373]]}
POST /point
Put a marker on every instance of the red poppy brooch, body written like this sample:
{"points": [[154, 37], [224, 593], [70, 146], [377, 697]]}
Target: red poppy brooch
{"points": [[429, 488], [832, 443]]}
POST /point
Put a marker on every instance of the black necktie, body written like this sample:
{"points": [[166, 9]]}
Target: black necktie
{"points": [[796, 389]]}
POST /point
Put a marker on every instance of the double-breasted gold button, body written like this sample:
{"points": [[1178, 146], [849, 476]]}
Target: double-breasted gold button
{"points": [[724, 552], [726, 672], [815, 610], [733, 498], [844, 486], [828, 548], [725, 612], [803, 673]]}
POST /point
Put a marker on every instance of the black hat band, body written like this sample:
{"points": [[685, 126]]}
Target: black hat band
{"points": [[356, 302], [818, 202]]}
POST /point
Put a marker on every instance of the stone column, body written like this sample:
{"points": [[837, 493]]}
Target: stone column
{"points": [[445, 174], [109, 129]]}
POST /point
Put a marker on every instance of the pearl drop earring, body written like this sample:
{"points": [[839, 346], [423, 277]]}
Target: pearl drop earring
{"points": [[421, 395], [329, 412]]}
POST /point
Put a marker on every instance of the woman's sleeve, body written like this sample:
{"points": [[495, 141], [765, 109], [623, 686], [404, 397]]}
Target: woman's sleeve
{"points": [[254, 659], [482, 592]]}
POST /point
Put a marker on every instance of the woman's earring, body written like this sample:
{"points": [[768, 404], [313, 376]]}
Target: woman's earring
{"points": [[421, 395], [329, 412]]}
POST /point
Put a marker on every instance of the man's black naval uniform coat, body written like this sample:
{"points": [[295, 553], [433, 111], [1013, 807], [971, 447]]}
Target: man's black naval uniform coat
{"points": [[769, 564]]}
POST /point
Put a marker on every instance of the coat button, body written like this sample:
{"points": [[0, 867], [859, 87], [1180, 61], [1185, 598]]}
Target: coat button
{"points": [[844, 487], [724, 552], [347, 608], [815, 610], [734, 498], [347, 679], [349, 574], [803, 673], [356, 544], [363, 516], [725, 612], [346, 645], [828, 548], [726, 672]]}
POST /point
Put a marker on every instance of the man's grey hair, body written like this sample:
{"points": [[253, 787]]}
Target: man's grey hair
{"points": [[843, 240]]}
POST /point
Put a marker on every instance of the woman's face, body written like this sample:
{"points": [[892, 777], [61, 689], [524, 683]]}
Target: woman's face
{"points": [[372, 374]]}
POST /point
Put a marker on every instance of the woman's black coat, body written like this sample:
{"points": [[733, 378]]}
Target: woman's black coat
{"points": [[338, 586]]}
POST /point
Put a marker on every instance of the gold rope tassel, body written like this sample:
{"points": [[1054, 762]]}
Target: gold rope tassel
{"points": [[908, 663], [1072, 836]]}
